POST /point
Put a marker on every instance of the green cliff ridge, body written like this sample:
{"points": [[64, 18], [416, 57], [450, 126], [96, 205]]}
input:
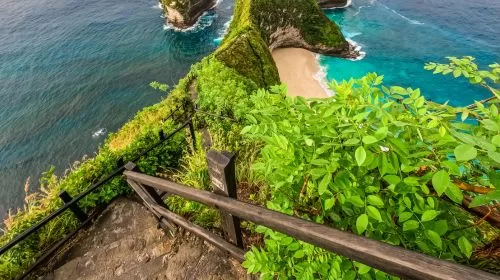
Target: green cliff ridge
{"points": [[240, 66], [260, 26]]}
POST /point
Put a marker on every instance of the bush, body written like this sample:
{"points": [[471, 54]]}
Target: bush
{"points": [[376, 161]]}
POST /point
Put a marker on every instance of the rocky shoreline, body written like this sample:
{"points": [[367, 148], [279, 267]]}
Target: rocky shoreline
{"points": [[291, 37], [183, 14], [328, 4]]}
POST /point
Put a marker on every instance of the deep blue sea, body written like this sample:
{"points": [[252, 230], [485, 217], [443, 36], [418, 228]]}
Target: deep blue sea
{"points": [[400, 36], [69, 69]]}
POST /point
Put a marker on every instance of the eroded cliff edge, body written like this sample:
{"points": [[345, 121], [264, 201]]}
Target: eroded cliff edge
{"points": [[184, 13], [326, 4], [260, 26], [238, 68]]}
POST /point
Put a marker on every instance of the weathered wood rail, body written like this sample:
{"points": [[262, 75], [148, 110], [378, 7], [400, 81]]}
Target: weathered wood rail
{"points": [[183, 117], [391, 259]]}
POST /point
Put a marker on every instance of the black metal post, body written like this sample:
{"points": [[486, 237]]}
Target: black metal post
{"points": [[193, 135], [80, 215]]}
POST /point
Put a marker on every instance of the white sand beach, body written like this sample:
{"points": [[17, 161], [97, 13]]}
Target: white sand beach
{"points": [[297, 69]]}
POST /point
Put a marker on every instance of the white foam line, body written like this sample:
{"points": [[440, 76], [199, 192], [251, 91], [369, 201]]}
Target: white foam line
{"points": [[198, 24], [359, 10], [226, 30], [159, 6], [352, 35], [357, 48], [100, 132], [412, 21], [348, 4], [320, 76]]}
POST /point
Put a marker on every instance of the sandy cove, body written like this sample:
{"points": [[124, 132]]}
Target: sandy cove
{"points": [[297, 69]]}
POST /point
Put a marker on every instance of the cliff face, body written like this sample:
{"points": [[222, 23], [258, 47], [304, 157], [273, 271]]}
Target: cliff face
{"points": [[301, 24], [332, 3], [241, 65], [259, 26], [185, 13]]}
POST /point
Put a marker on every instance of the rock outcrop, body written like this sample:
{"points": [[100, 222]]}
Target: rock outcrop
{"points": [[259, 26], [184, 13], [326, 4], [126, 243]]}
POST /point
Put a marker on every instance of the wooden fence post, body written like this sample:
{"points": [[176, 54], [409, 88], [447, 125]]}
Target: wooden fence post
{"points": [[150, 191], [80, 215], [150, 196], [222, 172]]}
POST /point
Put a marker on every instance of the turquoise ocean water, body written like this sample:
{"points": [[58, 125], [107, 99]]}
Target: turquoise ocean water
{"points": [[399, 37], [70, 71]]}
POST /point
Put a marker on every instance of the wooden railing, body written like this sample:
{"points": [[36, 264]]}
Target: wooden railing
{"points": [[391, 259], [176, 115]]}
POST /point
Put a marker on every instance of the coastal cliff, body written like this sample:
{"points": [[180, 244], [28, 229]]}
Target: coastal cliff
{"points": [[260, 26], [326, 4], [236, 70], [184, 13]]}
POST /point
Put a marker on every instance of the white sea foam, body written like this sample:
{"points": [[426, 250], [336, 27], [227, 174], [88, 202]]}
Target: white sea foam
{"points": [[100, 132], [159, 6], [205, 20], [412, 21], [359, 10], [358, 48], [320, 76], [219, 39], [348, 4], [352, 35]]}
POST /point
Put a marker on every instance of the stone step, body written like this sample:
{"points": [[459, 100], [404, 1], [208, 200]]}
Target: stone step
{"points": [[125, 243]]}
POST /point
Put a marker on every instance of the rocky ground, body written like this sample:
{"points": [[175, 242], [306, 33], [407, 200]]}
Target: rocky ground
{"points": [[126, 243]]}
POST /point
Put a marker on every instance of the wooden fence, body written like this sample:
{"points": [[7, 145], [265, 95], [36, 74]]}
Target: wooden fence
{"points": [[391, 259]]}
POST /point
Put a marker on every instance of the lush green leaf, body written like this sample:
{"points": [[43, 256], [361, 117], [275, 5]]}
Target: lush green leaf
{"points": [[465, 152], [410, 225], [375, 200], [465, 246], [405, 216], [434, 238], [484, 199], [373, 213], [429, 215], [329, 203], [360, 155], [362, 223], [454, 193], [441, 181], [369, 140]]}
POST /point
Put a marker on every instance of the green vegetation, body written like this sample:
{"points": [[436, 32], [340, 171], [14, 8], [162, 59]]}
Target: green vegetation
{"points": [[377, 161], [261, 24], [306, 16], [136, 136]]}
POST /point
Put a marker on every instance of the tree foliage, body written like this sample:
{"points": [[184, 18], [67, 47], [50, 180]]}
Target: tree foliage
{"points": [[376, 161]]}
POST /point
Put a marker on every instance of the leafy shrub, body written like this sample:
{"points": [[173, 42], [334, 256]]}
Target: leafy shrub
{"points": [[373, 160], [134, 138]]}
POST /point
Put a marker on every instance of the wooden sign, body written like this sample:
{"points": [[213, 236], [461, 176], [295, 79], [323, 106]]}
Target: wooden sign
{"points": [[221, 168]]}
